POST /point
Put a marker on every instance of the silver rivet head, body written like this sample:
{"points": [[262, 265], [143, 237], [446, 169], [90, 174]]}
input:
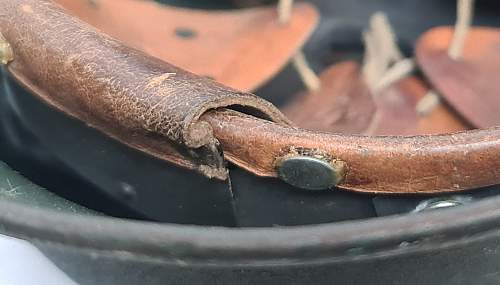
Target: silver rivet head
{"points": [[311, 173], [441, 203], [6, 53]]}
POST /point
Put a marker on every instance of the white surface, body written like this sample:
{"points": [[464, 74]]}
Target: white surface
{"points": [[23, 264]]}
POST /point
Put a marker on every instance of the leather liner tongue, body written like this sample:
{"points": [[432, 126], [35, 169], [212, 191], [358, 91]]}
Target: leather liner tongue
{"points": [[470, 83]]}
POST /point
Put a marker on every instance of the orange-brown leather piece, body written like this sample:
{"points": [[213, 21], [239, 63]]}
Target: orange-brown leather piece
{"points": [[470, 84], [241, 49], [344, 104], [397, 165], [397, 105], [133, 97]]}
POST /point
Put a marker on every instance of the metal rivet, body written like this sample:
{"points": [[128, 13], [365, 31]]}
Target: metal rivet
{"points": [[441, 203], [185, 33], [311, 173], [6, 53]]}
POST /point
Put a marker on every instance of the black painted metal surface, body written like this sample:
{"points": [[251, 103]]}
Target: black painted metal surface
{"points": [[85, 166], [453, 246]]}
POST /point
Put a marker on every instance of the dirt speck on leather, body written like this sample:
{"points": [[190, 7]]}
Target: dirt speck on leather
{"points": [[156, 81]]}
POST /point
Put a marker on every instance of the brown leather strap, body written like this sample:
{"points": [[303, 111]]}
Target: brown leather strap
{"points": [[398, 165], [155, 107], [133, 97]]}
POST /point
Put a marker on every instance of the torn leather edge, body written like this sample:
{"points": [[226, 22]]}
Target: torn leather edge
{"points": [[200, 143], [195, 148], [199, 136]]}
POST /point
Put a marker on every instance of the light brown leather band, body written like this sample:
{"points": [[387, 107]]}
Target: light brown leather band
{"points": [[155, 107], [398, 165]]}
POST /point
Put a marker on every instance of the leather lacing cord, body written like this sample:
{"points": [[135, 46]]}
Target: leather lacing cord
{"points": [[384, 63], [465, 13], [382, 51], [299, 61]]}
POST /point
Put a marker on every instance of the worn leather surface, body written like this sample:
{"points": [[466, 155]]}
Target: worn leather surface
{"points": [[135, 98], [155, 107], [391, 164]]}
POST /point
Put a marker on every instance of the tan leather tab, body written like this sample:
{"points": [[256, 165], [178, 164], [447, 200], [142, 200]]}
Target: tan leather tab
{"points": [[344, 104], [133, 97], [239, 48], [470, 84], [397, 105]]}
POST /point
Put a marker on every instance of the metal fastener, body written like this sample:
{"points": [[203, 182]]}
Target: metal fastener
{"points": [[441, 203], [185, 33], [6, 53], [311, 173]]}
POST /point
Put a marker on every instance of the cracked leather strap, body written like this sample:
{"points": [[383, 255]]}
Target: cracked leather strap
{"points": [[156, 107], [133, 97], [391, 164]]}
